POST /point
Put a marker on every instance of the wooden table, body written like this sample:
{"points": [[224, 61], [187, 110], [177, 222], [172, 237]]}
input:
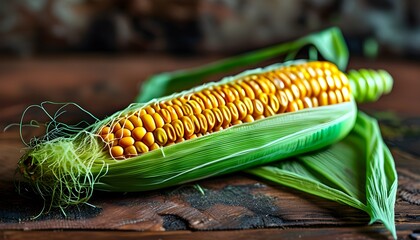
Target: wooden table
{"points": [[236, 206]]}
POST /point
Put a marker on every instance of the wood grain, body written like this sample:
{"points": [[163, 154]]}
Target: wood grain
{"points": [[325, 233], [236, 206]]}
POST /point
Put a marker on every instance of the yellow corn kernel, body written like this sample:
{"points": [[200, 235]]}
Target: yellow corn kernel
{"points": [[148, 139], [148, 122], [229, 95], [233, 112], [285, 79], [289, 95], [307, 102], [248, 90], [332, 98], [217, 107], [105, 130], [172, 112], [268, 111], [346, 94], [195, 106], [166, 115], [300, 104], [218, 118], [150, 110], [123, 132], [330, 82], [240, 90], [142, 112], [188, 126], [283, 101], [138, 133], [307, 88], [258, 107], [115, 127], [157, 118], [323, 99], [337, 82], [242, 109], [209, 119], [170, 132], [109, 137], [179, 128], [315, 102], [160, 136], [264, 86], [211, 97], [273, 102], [323, 83], [220, 100], [117, 151], [255, 87], [248, 118], [263, 97], [187, 109], [200, 101], [178, 111], [126, 142], [154, 146], [196, 123], [156, 107], [316, 88], [235, 92], [206, 101], [295, 91], [136, 121], [249, 105], [201, 123], [227, 117], [125, 123], [130, 151], [292, 107], [339, 96], [141, 147]]}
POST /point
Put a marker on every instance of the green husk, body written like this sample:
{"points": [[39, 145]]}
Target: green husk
{"points": [[231, 149], [358, 171]]}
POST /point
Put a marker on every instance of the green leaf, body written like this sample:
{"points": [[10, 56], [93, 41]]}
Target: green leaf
{"points": [[329, 43], [358, 171]]}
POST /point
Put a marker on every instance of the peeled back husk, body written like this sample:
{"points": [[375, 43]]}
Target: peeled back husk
{"points": [[358, 171]]}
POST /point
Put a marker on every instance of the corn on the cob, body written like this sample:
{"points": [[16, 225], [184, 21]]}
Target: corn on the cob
{"points": [[256, 117], [246, 99]]}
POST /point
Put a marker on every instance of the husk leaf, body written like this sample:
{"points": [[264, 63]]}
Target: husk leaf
{"points": [[358, 171]]}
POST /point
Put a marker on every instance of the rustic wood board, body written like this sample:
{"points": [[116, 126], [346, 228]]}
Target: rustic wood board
{"points": [[233, 202], [229, 204]]}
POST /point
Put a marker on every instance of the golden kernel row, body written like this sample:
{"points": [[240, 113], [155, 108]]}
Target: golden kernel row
{"points": [[247, 99]]}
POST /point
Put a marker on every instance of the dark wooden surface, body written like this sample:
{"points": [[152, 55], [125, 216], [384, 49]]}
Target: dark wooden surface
{"points": [[236, 206]]}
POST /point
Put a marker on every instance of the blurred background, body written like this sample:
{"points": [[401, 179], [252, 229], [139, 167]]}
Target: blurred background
{"points": [[96, 52], [38, 27]]}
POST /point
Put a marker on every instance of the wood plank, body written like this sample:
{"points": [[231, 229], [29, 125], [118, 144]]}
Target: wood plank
{"points": [[236, 201], [232, 202], [325, 233]]}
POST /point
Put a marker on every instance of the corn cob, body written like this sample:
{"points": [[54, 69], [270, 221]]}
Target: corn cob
{"points": [[250, 119], [245, 99]]}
